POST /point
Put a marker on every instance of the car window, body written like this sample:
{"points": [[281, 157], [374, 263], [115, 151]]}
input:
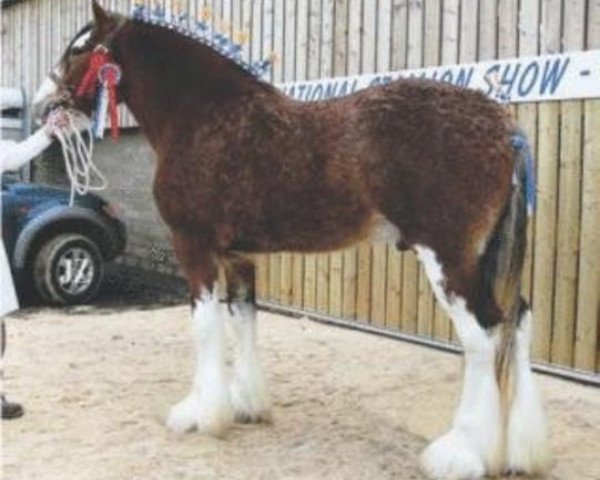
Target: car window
{"points": [[10, 177]]}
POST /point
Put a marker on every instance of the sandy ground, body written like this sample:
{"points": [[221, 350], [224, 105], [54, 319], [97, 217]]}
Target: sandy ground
{"points": [[97, 383]]}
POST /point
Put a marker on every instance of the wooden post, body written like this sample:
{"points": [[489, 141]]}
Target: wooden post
{"points": [[268, 45], [380, 24], [547, 190], [449, 55], [339, 11], [587, 349], [303, 266], [278, 288], [528, 31], [353, 66], [395, 55], [569, 206]]}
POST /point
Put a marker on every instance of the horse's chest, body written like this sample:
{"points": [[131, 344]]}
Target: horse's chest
{"points": [[183, 193]]}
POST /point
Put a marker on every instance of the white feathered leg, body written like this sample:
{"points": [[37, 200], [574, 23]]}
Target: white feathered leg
{"points": [[528, 450], [208, 406], [472, 447], [249, 392]]}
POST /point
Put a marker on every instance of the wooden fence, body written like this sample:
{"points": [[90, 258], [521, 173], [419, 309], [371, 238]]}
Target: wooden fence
{"points": [[375, 284]]}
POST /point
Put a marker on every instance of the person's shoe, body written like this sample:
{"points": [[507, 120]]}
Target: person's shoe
{"points": [[11, 410]]}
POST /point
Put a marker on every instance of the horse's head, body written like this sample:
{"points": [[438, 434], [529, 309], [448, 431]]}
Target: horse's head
{"points": [[61, 85]]}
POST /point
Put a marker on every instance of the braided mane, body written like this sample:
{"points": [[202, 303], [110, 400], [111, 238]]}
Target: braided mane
{"points": [[203, 34]]}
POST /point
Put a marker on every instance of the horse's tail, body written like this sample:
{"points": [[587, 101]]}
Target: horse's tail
{"points": [[506, 252], [504, 259]]}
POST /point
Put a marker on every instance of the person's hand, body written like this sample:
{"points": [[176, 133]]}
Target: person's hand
{"points": [[58, 120], [61, 120]]}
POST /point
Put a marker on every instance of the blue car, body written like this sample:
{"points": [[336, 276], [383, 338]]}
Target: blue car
{"points": [[57, 251]]}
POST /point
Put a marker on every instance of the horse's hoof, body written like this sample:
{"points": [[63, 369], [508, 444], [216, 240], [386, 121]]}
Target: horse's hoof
{"points": [[528, 452], [215, 419], [265, 416], [450, 458], [531, 461], [182, 417], [211, 417], [251, 402]]}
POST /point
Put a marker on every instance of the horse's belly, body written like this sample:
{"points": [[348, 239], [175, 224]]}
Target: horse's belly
{"points": [[319, 233]]}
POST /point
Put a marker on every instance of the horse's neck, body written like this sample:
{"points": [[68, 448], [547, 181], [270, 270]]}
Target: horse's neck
{"points": [[166, 88]]}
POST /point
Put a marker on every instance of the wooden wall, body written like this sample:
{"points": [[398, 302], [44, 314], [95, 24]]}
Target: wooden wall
{"points": [[375, 284]]}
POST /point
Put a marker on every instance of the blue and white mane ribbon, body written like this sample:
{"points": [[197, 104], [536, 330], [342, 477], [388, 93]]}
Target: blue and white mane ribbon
{"points": [[201, 32]]}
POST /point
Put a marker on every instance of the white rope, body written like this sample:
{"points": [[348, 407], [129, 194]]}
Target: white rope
{"points": [[77, 152]]}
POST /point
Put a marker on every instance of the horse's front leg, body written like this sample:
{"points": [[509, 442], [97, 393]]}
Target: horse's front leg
{"points": [[208, 406], [249, 392]]}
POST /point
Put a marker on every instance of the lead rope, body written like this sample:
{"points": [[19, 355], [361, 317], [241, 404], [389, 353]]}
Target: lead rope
{"points": [[77, 150]]}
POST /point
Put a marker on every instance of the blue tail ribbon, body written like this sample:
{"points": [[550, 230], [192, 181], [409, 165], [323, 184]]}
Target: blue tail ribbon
{"points": [[520, 143]]}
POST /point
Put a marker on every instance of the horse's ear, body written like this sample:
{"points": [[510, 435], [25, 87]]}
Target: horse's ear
{"points": [[100, 15]]}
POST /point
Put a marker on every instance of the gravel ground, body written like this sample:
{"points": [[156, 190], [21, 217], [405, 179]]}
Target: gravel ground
{"points": [[98, 381]]}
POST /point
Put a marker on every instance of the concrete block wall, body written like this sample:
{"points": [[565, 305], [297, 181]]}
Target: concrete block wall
{"points": [[129, 168]]}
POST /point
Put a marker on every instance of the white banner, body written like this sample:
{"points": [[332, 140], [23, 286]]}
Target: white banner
{"points": [[526, 79]]}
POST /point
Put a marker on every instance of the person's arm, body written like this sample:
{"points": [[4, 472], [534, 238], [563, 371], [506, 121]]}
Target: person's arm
{"points": [[13, 157]]}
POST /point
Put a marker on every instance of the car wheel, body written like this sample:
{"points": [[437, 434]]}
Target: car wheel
{"points": [[68, 269]]}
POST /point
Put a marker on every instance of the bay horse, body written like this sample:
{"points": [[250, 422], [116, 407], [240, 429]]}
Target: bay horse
{"points": [[243, 169]]}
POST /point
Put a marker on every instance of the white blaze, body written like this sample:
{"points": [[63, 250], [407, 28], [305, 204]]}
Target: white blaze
{"points": [[48, 86], [82, 40], [46, 89]]}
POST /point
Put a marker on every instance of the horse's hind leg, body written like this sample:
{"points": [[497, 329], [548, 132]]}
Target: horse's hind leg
{"points": [[528, 450], [480, 289], [208, 406], [473, 445], [499, 425], [249, 392]]}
